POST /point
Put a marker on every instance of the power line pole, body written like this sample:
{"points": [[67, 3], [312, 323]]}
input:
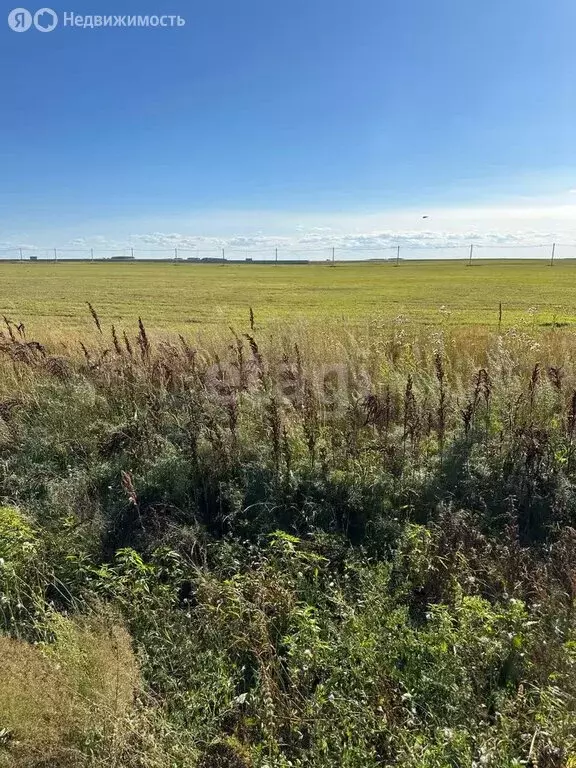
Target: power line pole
{"points": [[175, 254], [553, 254], [398, 256], [91, 254], [55, 255], [333, 256], [223, 256], [471, 254], [21, 257], [276, 256]]}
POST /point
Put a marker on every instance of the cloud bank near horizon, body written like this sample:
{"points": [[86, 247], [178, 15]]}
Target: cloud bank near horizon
{"points": [[525, 224]]}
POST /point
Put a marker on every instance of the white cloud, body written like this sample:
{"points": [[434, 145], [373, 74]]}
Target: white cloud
{"points": [[529, 224], [16, 246]]}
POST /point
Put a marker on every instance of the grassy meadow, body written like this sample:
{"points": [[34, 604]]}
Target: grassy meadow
{"points": [[336, 531], [185, 297]]}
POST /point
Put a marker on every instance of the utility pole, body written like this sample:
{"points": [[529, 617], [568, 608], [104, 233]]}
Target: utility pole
{"points": [[553, 254], [471, 254], [333, 255], [91, 254], [175, 254], [398, 256], [223, 256], [276, 256], [131, 253], [21, 257], [55, 256]]}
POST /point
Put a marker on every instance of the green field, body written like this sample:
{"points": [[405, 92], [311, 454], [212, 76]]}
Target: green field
{"points": [[189, 297]]}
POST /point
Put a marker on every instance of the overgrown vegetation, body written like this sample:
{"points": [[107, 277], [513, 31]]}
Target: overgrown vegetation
{"points": [[261, 556]]}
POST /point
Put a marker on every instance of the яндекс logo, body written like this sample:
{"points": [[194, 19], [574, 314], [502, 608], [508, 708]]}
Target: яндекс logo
{"points": [[20, 20]]}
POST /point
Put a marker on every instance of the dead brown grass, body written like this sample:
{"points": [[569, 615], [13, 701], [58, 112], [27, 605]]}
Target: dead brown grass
{"points": [[53, 697]]}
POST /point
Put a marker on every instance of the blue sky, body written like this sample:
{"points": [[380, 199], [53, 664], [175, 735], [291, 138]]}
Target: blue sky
{"points": [[261, 119]]}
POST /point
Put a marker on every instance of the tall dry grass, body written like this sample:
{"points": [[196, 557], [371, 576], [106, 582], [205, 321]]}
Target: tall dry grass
{"points": [[55, 696], [343, 547]]}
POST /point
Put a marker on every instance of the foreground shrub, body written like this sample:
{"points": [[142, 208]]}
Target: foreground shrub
{"points": [[22, 574]]}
